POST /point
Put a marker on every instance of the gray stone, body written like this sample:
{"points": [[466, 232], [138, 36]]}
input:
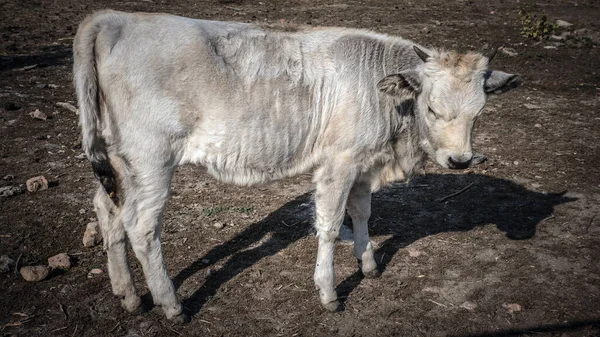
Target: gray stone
{"points": [[6, 263]]}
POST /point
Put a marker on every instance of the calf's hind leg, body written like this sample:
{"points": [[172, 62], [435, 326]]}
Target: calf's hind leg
{"points": [[115, 245], [142, 217]]}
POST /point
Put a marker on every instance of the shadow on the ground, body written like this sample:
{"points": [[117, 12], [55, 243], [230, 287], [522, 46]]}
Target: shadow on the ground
{"points": [[545, 328], [408, 212], [54, 55]]}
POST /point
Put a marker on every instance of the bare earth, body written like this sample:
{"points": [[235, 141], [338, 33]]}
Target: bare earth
{"points": [[516, 254]]}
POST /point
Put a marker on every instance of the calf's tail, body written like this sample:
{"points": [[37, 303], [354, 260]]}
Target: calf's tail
{"points": [[85, 74]]}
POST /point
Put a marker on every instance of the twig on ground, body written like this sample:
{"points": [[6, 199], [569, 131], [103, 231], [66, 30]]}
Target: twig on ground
{"points": [[17, 263], [455, 193], [590, 223], [175, 331], [438, 303]]}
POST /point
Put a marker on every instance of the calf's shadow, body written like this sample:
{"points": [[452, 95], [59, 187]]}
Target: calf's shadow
{"points": [[408, 212]]}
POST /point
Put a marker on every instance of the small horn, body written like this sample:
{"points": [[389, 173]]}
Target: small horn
{"points": [[490, 55], [422, 55]]}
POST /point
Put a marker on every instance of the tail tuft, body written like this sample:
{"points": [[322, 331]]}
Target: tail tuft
{"points": [[104, 172]]}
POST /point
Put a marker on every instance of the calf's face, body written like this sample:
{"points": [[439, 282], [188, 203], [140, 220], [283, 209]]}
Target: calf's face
{"points": [[449, 91]]}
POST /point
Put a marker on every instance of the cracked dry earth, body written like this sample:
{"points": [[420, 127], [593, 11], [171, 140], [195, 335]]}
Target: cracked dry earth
{"points": [[515, 254]]}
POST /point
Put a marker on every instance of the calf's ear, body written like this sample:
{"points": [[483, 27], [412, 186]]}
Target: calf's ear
{"points": [[404, 84], [499, 82]]}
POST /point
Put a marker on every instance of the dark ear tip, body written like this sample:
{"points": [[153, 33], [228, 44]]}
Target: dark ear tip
{"points": [[422, 55]]}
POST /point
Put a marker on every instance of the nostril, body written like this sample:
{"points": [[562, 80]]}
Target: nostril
{"points": [[458, 164]]}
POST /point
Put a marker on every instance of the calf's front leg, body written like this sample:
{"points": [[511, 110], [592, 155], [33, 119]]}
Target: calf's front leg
{"points": [[359, 208], [333, 183]]}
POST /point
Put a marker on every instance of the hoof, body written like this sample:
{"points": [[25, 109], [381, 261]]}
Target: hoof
{"points": [[375, 273], [133, 305], [334, 306], [182, 318]]}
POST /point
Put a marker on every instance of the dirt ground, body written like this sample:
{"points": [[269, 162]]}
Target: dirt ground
{"points": [[516, 254]]}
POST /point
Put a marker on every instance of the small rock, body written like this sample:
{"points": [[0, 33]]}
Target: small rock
{"points": [[42, 85], [205, 261], [95, 271], [92, 236], [66, 289], [536, 185], [38, 115], [210, 272], [286, 273], [59, 261], [511, 52], [469, 306], [218, 225], [512, 307], [53, 86], [68, 106], [563, 23], [437, 23], [34, 273], [144, 326], [426, 30], [36, 184], [538, 126], [6, 263], [81, 156], [516, 163], [531, 106], [9, 191], [550, 47]]}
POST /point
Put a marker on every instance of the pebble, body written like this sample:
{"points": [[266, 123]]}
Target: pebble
{"points": [[68, 106], [218, 225], [9, 191], [469, 305], [59, 261], [531, 106], [538, 126], [92, 236], [509, 51], [512, 307], [6, 263], [563, 23], [426, 30], [34, 273], [36, 184], [95, 271], [37, 114]]}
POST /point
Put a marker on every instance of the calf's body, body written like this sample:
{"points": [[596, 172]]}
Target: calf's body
{"points": [[256, 103]]}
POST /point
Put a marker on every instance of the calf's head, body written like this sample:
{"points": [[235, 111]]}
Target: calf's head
{"points": [[449, 91]]}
